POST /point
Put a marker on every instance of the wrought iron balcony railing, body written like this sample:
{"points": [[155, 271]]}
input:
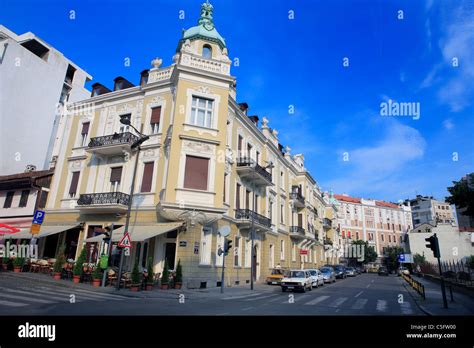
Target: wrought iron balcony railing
{"points": [[113, 139], [297, 197], [250, 163], [103, 198], [247, 214], [297, 229]]}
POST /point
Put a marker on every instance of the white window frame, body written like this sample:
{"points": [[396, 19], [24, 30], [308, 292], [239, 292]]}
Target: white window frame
{"points": [[203, 93], [208, 110], [248, 253]]}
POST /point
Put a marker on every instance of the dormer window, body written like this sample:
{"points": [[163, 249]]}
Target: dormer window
{"points": [[207, 52]]}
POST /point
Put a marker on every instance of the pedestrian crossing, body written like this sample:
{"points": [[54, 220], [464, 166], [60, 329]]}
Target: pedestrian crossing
{"points": [[353, 304], [16, 298]]}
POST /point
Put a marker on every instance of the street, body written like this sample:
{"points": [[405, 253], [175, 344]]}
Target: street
{"points": [[366, 294]]}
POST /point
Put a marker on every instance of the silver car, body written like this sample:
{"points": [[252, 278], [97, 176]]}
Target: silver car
{"points": [[317, 277], [329, 276]]}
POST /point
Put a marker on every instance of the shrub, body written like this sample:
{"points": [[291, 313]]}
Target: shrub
{"points": [[166, 275], [97, 274], [179, 273], [18, 261], [77, 271], [135, 274], [150, 271], [60, 259]]}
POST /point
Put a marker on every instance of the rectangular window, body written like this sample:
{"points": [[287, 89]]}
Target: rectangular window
{"points": [[271, 257], [247, 199], [237, 252], [24, 198], [357, 235], [155, 119], [196, 173], [255, 203], [270, 211], [237, 196], [249, 151], [84, 133], [247, 252], [201, 112], [282, 250], [73, 186], [8, 199], [123, 127], [239, 146], [115, 178], [43, 199], [293, 252], [257, 157], [147, 177], [224, 188], [381, 236], [205, 253], [282, 213]]}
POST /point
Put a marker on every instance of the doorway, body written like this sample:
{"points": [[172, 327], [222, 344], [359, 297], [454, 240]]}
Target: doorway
{"points": [[170, 254], [51, 245]]}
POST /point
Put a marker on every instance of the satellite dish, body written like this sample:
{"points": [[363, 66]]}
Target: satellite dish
{"points": [[224, 231]]}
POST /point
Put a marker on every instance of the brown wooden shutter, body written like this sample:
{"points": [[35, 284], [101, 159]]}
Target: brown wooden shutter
{"points": [[74, 181], [155, 115], [116, 174], [85, 128], [147, 177], [247, 199], [196, 173], [240, 144], [300, 220]]}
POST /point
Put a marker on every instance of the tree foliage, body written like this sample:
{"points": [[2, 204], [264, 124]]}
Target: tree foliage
{"points": [[462, 195]]}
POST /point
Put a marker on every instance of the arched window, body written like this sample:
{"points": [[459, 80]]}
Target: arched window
{"points": [[207, 51]]}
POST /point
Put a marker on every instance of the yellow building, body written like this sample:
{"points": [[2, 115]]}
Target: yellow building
{"points": [[206, 164]]}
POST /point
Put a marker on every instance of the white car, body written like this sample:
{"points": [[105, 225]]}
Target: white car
{"points": [[317, 277], [297, 279]]}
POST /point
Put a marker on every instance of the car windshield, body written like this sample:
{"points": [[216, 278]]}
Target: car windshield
{"points": [[277, 272], [326, 270], [297, 274], [313, 273]]}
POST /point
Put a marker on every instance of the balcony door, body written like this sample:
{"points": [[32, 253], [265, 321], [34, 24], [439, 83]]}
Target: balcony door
{"points": [[124, 128], [300, 220], [115, 179]]}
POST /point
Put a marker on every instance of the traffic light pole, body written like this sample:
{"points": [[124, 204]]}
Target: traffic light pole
{"points": [[434, 246], [223, 267], [443, 289]]}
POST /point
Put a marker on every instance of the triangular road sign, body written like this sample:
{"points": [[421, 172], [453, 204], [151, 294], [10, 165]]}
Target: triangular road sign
{"points": [[125, 242]]}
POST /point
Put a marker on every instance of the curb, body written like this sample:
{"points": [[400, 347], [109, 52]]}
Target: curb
{"points": [[417, 300]]}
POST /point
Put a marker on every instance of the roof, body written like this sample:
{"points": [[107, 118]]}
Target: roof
{"points": [[34, 174], [347, 199], [386, 204]]}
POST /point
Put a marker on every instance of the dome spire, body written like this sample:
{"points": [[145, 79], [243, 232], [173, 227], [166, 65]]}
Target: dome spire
{"points": [[206, 14]]}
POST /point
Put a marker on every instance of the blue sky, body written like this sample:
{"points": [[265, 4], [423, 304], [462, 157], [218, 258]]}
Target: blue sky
{"points": [[299, 62]]}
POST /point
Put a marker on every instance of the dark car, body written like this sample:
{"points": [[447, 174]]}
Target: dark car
{"points": [[340, 271], [382, 271], [351, 272]]}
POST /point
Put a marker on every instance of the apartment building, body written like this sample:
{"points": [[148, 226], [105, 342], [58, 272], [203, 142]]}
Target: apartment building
{"points": [[207, 163], [426, 209], [35, 80], [381, 224]]}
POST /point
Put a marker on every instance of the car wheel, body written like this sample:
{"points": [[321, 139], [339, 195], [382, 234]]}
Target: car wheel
{"points": [[304, 289]]}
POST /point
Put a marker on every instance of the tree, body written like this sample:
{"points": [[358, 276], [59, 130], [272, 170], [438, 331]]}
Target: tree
{"points": [[165, 276], [60, 259], [391, 259], [135, 275], [418, 259], [462, 195], [78, 267], [179, 273]]}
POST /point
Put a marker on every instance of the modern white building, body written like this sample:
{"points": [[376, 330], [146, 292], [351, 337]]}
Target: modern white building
{"points": [[453, 244], [381, 224], [426, 209], [34, 79]]}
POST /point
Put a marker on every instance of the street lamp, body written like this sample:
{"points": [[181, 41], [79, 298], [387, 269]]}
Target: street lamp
{"points": [[126, 121], [252, 235]]}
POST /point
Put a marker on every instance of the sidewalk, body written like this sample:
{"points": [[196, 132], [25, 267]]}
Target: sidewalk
{"points": [[433, 304], [44, 279]]}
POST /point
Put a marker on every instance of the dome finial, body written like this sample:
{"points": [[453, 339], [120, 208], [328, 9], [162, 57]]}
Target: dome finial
{"points": [[206, 13]]}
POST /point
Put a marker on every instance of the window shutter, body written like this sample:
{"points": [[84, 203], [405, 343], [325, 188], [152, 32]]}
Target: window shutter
{"points": [[237, 196], [74, 181], [147, 177], [85, 128], [155, 115], [116, 174], [196, 173]]}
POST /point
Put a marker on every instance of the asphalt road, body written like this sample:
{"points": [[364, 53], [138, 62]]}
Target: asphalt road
{"points": [[366, 294]]}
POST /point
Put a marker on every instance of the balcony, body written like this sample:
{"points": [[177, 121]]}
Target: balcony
{"points": [[327, 223], [245, 216], [250, 170], [113, 144], [103, 202], [297, 199], [297, 231]]}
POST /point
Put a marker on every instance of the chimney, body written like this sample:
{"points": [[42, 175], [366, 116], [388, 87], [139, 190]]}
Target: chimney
{"points": [[121, 83], [144, 77], [244, 108], [98, 89], [254, 119]]}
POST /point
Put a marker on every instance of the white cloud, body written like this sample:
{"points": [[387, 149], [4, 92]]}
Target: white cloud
{"points": [[448, 124]]}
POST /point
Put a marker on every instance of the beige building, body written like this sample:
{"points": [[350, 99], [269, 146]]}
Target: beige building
{"points": [[206, 164], [381, 224]]}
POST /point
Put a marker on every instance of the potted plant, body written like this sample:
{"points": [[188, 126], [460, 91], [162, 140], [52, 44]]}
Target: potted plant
{"points": [[150, 276], [178, 280], [97, 276], [5, 261], [135, 278], [165, 277], [18, 263], [78, 267], [59, 263]]}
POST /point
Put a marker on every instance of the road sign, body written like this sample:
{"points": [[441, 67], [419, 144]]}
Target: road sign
{"points": [[303, 252], [35, 229], [125, 242], [401, 258], [38, 217]]}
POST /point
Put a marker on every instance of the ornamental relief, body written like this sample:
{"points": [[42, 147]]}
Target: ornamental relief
{"points": [[203, 90], [198, 147]]}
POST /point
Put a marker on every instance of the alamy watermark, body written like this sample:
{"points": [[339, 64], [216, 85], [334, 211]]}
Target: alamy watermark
{"points": [[394, 108], [23, 250]]}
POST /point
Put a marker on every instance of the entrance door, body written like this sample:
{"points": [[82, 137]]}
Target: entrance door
{"points": [[72, 237], [170, 254], [50, 246]]}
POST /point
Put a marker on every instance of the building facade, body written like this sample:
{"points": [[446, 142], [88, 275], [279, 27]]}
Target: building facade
{"points": [[35, 79], [207, 164], [381, 224], [429, 210]]}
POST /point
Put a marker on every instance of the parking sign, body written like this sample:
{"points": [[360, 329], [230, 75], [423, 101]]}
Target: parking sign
{"points": [[38, 217]]}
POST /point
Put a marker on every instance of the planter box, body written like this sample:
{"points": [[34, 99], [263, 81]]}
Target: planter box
{"points": [[149, 287], [57, 275], [164, 286], [134, 288], [96, 282], [17, 269], [76, 279]]}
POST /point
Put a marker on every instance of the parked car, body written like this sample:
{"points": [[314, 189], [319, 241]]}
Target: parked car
{"points": [[317, 277], [382, 271], [276, 276], [403, 270], [328, 273], [359, 270], [351, 272], [340, 271], [297, 279]]}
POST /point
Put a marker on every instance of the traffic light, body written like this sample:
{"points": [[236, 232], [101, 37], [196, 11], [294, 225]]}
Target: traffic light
{"points": [[433, 245], [227, 245]]}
